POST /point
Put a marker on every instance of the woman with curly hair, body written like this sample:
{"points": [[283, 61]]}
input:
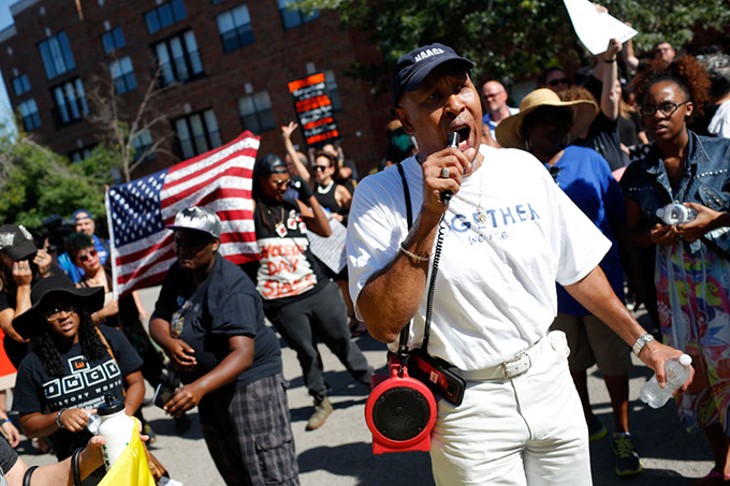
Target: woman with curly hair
{"points": [[692, 259], [72, 365]]}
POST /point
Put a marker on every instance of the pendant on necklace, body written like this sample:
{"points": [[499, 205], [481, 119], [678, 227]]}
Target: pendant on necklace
{"points": [[281, 229], [481, 217]]}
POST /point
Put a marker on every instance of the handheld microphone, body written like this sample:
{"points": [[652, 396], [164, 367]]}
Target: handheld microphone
{"points": [[453, 142]]}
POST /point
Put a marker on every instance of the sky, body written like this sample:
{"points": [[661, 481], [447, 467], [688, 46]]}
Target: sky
{"points": [[5, 20]]}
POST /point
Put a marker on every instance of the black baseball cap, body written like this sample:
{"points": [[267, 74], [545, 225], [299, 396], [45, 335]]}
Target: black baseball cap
{"points": [[16, 242], [412, 68], [269, 164]]}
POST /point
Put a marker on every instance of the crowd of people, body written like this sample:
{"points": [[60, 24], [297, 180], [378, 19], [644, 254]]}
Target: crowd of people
{"points": [[550, 229]]}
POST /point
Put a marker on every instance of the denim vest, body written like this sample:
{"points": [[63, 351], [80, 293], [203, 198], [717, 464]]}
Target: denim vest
{"points": [[706, 178]]}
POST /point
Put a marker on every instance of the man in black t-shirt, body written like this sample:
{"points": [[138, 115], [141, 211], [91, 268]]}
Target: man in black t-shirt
{"points": [[209, 320]]}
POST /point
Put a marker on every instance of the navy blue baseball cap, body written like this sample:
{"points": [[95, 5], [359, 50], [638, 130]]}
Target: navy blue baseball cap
{"points": [[412, 68]]}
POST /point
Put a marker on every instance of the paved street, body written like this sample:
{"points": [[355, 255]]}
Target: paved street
{"points": [[339, 454]]}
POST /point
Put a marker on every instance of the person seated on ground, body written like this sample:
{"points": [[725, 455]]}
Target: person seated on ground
{"points": [[300, 301], [72, 365], [543, 127]]}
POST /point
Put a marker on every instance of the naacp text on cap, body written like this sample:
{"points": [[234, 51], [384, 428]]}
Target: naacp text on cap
{"points": [[428, 53]]}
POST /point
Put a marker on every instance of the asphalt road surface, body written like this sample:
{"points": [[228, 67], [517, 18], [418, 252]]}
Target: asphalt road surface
{"points": [[340, 453]]}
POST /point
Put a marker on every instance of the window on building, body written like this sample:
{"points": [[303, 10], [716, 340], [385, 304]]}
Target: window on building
{"points": [[333, 92], [112, 40], [56, 54], [29, 116], [70, 100], [256, 113], [179, 58], [292, 17], [197, 133], [80, 154], [141, 144], [164, 15], [21, 84], [123, 75], [235, 28]]}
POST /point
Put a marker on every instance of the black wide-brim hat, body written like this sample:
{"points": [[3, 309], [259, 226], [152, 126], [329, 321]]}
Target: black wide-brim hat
{"points": [[31, 323]]}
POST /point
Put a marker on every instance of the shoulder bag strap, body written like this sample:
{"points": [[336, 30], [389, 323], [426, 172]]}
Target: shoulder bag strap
{"points": [[105, 343], [403, 341]]}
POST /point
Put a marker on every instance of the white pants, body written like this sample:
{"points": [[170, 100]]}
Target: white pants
{"points": [[528, 430]]}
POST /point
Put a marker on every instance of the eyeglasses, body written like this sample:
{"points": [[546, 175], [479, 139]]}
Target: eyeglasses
{"points": [[557, 81], [281, 182], [87, 256], [667, 108], [53, 313], [323, 168]]}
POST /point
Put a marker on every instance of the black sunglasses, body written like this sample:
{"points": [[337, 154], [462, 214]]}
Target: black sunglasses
{"points": [[87, 256], [555, 82], [51, 314]]}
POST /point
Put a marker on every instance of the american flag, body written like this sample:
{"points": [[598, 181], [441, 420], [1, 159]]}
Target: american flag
{"points": [[138, 211]]}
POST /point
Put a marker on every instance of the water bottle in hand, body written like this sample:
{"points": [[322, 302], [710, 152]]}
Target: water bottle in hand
{"points": [[677, 372], [676, 213]]}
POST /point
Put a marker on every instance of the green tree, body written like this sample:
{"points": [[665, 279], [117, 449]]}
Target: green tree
{"points": [[36, 182], [510, 38]]}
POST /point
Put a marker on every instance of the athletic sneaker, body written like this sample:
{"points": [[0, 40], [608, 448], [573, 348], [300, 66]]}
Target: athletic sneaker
{"points": [[596, 429], [627, 459]]}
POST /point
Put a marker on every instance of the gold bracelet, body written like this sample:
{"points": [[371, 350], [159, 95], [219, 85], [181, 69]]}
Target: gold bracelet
{"points": [[413, 256]]}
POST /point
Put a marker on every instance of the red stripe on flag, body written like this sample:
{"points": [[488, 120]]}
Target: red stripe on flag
{"points": [[208, 184], [221, 192]]}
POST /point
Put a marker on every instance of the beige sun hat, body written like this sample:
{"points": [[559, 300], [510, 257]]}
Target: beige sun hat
{"points": [[509, 130]]}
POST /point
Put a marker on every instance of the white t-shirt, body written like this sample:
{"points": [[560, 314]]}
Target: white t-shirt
{"points": [[720, 123], [495, 292]]}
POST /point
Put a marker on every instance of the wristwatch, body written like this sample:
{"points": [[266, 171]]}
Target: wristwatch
{"points": [[641, 342], [58, 418]]}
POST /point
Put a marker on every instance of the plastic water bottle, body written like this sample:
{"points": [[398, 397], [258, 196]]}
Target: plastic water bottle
{"points": [[676, 213], [116, 427], [677, 372]]}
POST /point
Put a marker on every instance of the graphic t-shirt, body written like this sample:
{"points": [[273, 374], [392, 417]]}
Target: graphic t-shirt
{"points": [[205, 316], [286, 265], [84, 384], [510, 235]]}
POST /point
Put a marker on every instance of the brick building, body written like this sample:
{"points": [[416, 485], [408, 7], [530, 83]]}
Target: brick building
{"points": [[222, 66]]}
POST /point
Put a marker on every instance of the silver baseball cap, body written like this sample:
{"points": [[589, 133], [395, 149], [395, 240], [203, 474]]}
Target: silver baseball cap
{"points": [[198, 219]]}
